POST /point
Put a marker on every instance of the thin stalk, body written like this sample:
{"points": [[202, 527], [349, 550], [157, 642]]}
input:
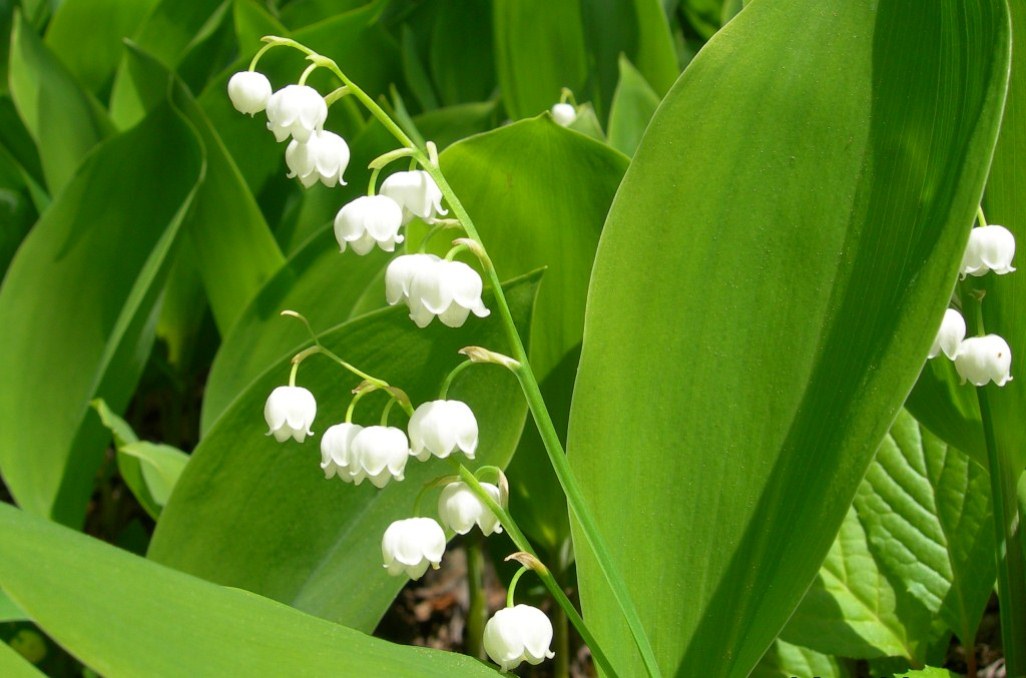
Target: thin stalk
{"points": [[561, 641], [1008, 530], [555, 590], [528, 382], [477, 608]]}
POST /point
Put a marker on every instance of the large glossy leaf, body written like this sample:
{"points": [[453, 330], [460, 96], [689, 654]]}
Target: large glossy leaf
{"points": [[14, 665], [79, 301], [634, 102], [92, 55], [784, 660], [539, 194], [65, 121], [230, 244], [317, 281], [252, 513], [158, 622], [772, 270]]}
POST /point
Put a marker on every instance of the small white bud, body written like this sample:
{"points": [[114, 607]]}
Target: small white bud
{"points": [[990, 248], [323, 157], [460, 509], [440, 427], [949, 336], [983, 359], [517, 634], [289, 412], [416, 192], [564, 114], [249, 91], [296, 111], [411, 545], [369, 221]]}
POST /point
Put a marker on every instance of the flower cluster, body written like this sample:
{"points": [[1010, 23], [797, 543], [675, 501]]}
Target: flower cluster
{"points": [[450, 290], [979, 360], [430, 287]]}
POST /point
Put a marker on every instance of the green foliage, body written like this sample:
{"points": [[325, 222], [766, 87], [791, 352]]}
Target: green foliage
{"points": [[156, 618], [318, 528], [762, 401], [92, 329]]}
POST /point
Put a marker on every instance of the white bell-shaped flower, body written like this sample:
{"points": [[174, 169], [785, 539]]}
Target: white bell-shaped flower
{"points": [[983, 359], [336, 449], [450, 290], [289, 412], [379, 454], [399, 275], [517, 634], [323, 157], [416, 192], [440, 427], [249, 91], [990, 248], [460, 509], [949, 336], [411, 545], [368, 221], [564, 114], [296, 111]]}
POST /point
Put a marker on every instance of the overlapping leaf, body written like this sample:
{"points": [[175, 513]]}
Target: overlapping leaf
{"points": [[158, 621], [771, 271]]}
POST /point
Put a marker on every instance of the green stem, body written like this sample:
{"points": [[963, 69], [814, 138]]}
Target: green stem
{"points": [[1010, 555], [477, 608], [318, 348], [555, 590], [561, 644], [511, 592], [444, 391], [528, 383], [979, 215]]}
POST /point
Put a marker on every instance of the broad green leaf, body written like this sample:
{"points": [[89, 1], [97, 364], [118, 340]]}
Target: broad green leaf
{"points": [[92, 55], [252, 22], [301, 13], [231, 245], [80, 300], [538, 194], [798, 207], [319, 549], [784, 660], [9, 611], [13, 665], [446, 126], [316, 281], [156, 620], [17, 211], [948, 408], [462, 54], [539, 49], [635, 29], [633, 105], [65, 121], [928, 672], [150, 470], [853, 609], [926, 509]]}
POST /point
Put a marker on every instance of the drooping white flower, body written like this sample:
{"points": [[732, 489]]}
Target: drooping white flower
{"points": [[416, 192], [249, 91], [564, 114], [517, 634], [450, 290], [296, 111], [990, 248], [440, 427], [379, 454], [411, 545], [289, 412], [323, 157], [460, 509], [336, 449], [368, 221], [949, 336], [983, 359], [399, 275]]}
